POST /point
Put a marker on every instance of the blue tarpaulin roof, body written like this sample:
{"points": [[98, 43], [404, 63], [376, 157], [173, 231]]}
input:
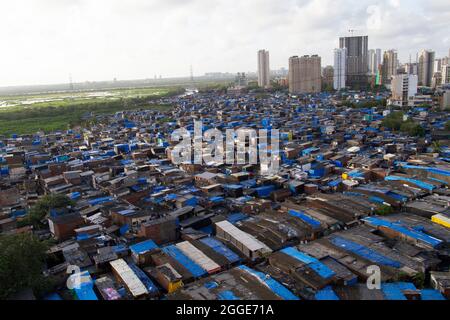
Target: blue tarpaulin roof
{"points": [[227, 295], [429, 169], [326, 293], [190, 265], [85, 289], [143, 247], [94, 202], [431, 294], [393, 291], [321, 269], [151, 288], [421, 184], [416, 234], [274, 285], [211, 285], [220, 248], [265, 191], [305, 218], [364, 251], [236, 217]]}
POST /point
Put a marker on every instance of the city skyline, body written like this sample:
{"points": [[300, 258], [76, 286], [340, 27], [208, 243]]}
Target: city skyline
{"points": [[94, 41]]}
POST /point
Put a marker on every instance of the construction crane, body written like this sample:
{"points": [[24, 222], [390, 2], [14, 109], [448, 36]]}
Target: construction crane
{"points": [[352, 31]]}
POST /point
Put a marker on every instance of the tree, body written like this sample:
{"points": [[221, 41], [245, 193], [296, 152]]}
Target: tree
{"points": [[22, 258], [43, 206], [419, 280], [384, 210], [412, 128], [447, 125], [393, 121], [437, 147]]}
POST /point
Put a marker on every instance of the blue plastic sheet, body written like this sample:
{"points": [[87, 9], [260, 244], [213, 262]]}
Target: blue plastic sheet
{"points": [[227, 295], [220, 248], [305, 218], [186, 262], [274, 285], [420, 184], [416, 234], [364, 252], [394, 291], [144, 246], [326, 293], [431, 294], [321, 269], [151, 287]]}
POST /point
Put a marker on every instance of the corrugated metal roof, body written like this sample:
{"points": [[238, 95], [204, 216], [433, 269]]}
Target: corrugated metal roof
{"points": [[136, 287], [246, 239], [198, 256]]}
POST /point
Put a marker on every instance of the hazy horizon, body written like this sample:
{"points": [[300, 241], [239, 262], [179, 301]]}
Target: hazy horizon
{"points": [[97, 40]]}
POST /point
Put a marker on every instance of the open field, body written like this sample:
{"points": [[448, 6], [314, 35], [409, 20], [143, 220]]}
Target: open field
{"points": [[71, 97], [26, 114]]}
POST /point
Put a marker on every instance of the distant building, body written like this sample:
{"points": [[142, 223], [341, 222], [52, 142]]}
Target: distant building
{"points": [[436, 80], [305, 74], [282, 72], [411, 68], [389, 66], [445, 74], [445, 102], [328, 77], [374, 60], [437, 65], [263, 69], [241, 79], [357, 67], [425, 68], [339, 68], [403, 88]]}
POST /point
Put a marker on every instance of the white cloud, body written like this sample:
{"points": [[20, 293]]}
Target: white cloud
{"points": [[43, 41]]}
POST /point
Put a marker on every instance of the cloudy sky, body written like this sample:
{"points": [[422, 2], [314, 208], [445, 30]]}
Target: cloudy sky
{"points": [[43, 41]]}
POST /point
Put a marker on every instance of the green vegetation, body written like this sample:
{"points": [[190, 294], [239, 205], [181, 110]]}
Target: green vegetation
{"points": [[42, 207], [447, 125], [22, 258], [395, 122], [62, 114], [437, 147], [210, 87], [419, 280], [384, 210], [365, 104]]}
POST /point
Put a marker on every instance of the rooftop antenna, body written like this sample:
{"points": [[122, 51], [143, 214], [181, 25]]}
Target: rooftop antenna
{"points": [[352, 31]]}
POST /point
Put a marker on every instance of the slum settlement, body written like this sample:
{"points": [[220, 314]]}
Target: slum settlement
{"points": [[350, 196]]}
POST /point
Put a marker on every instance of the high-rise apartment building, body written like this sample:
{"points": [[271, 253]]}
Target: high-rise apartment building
{"points": [[374, 59], [263, 69], [403, 88], [389, 66], [437, 65], [305, 74], [445, 74], [411, 68], [425, 68], [328, 77], [340, 57], [357, 67]]}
